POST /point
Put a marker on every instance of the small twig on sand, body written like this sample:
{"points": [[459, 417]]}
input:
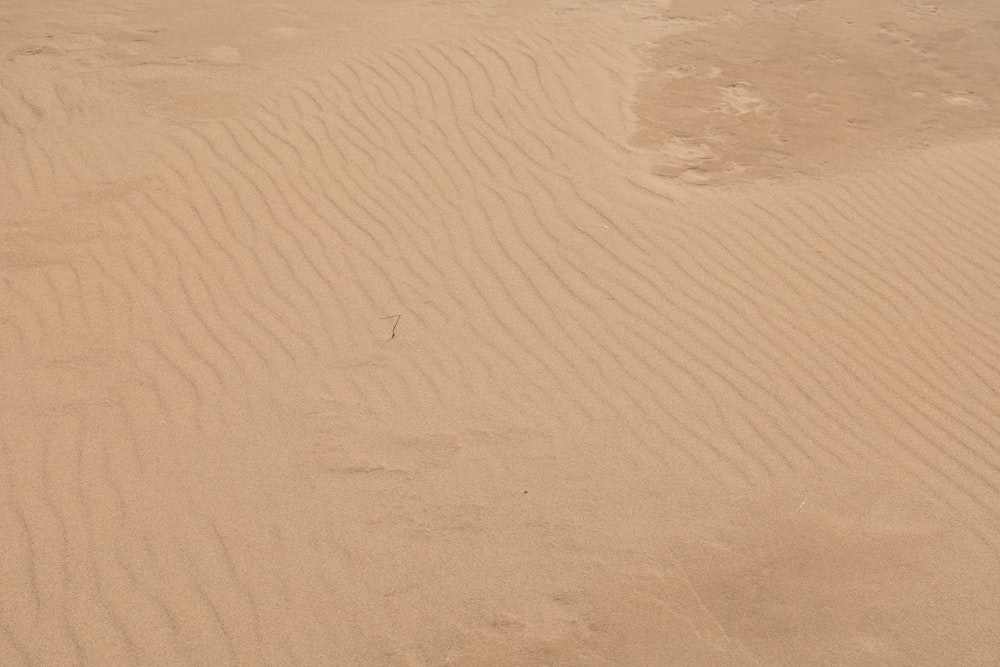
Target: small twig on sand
{"points": [[382, 344], [394, 324]]}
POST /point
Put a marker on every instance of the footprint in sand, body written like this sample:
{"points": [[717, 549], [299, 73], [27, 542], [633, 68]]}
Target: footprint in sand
{"points": [[685, 159], [923, 10], [964, 98], [742, 98], [685, 152], [892, 33], [692, 71]]}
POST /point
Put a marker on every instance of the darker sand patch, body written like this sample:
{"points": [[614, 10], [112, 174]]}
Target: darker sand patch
{"points": [[778, 89]]}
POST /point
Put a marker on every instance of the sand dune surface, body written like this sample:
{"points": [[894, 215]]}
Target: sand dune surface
{"points": [[567, 332]]}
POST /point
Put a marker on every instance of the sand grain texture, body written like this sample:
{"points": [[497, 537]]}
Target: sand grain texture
{"points": [[499, 333]]}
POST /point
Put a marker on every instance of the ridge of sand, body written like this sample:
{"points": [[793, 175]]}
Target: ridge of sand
{"points": [[400, 333]]}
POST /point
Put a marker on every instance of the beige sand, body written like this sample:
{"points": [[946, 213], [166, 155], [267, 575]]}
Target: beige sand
{"points": [[499, 333]]}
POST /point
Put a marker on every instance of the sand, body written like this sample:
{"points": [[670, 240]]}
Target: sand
{"points": [[499, 333]]}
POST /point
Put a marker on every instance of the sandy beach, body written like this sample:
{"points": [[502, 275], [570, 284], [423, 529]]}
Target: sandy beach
{"points": [[569, 332]]}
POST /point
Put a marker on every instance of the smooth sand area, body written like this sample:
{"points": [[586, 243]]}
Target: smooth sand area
{"points": [[570, 332]]}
